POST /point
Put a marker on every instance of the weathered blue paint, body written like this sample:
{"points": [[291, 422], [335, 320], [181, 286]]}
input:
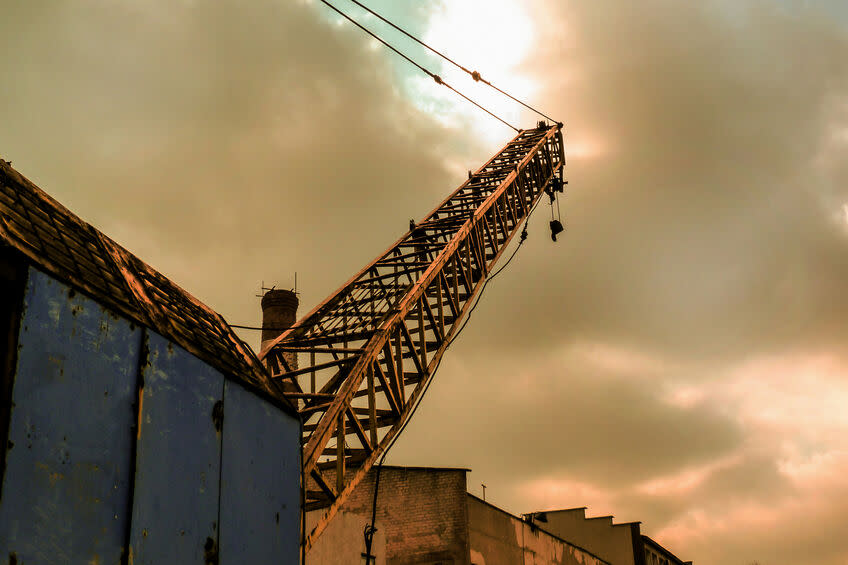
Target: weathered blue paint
{"points": [[260, 481], [175, 507], [66, 484], [201, 487]]}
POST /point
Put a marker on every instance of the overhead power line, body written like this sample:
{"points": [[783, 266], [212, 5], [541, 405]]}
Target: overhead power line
{"points": [[474, 74], [432, 75]]}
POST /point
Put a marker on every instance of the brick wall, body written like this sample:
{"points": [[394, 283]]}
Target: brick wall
{"points": [[422, 513]]}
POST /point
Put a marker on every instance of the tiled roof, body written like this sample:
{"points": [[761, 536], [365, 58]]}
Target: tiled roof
{"points": [[69, 249]]}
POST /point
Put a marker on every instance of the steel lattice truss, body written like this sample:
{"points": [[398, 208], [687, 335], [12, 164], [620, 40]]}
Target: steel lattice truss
{"points": [[365, 353]]}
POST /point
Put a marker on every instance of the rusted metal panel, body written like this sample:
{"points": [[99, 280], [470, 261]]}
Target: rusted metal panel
{"points": [[67, 480], [260, 494], [175, 505]]}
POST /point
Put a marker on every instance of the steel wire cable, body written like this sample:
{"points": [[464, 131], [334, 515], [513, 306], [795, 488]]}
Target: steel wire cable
{"points": [[432, 75], [474, 74], [370, 529]]}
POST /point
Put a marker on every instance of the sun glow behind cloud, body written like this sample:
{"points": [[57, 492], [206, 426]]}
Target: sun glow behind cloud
{"points": [[495, 42]]}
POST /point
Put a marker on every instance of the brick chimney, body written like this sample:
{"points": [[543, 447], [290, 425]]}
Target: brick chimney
{"points": [[279, 312]]}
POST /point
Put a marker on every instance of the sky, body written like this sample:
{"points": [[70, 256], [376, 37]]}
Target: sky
{"points": [[678, 357]]}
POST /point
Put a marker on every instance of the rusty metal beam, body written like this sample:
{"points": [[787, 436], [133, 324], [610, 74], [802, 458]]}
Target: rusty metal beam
{"points": [[371, 347]]}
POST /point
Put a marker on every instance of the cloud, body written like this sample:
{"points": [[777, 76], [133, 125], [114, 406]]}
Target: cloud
{"points": [[706, 252], [800, 522], [575, 417], [702, 228], [677, 358], [226, 144]]}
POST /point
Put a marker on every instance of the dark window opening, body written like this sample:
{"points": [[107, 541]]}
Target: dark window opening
{"points": [[12, 284]]}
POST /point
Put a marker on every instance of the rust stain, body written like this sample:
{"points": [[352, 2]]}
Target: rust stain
{"points": [[210, 552], [52, 476], [140, 406], [218, 416]]}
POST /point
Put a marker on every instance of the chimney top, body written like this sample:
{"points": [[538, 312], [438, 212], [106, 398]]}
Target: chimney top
{"points": [[281, 299], [279, 312]]}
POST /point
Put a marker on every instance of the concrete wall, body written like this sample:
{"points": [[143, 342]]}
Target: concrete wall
{"points": [[611, 542], [125, 447], [421, 512], [499, 538], [655, 554], [426, 517], [342, 543]]}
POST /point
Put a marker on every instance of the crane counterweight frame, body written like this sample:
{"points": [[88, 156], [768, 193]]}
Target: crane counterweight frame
{"points": [[367, 351]]}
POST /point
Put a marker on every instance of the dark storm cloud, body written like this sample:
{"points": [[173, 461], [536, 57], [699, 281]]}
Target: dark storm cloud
{"points": [[750, 511], [225, 143], [706, 224], [568, 417], [750, 478]]}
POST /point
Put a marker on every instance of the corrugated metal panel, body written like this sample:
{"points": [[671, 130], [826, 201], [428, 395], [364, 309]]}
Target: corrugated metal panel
{"points": [[175, 507], [260, 494], [67, 478]]}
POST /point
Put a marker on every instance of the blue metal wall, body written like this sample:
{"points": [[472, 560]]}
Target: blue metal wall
{"points": [[67, 480], [121, 441], [178, 464], [259, 497]]}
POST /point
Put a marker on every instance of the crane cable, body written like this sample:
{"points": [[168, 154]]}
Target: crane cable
{"points": [[370, 529], [473, 74], [432, 75]]}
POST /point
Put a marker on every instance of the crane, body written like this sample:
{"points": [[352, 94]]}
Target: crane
{"points": [[356, 365]]}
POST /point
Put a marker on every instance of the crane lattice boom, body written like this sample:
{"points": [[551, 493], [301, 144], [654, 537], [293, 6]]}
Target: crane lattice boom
{"points": [[365, 353]]}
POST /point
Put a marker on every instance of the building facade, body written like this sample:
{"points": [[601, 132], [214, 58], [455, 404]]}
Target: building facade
{"points": [[421, 517], [500, 538], [425, 516], [135, 426], [618, 543]]}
